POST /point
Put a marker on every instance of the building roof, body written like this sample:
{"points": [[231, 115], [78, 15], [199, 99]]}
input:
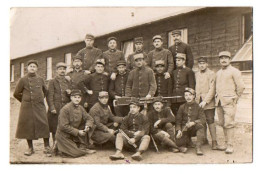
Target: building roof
{"points": [[245, 53]]}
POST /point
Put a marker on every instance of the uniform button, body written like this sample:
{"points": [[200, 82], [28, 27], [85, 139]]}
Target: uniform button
{"points": [[31, 92]]}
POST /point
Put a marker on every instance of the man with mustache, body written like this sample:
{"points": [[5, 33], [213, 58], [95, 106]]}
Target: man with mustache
{"points": [[181, 47], [229, 88]]}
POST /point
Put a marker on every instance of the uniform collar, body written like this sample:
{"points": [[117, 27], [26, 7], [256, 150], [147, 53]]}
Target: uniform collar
{"points": [[73, 105], [89, 48], [159, 49], [204, 71], [191, 103], [79, 70], [180, 67], [141, 68], [31, 74], [112, 50], [225, 67], [140, 51]]}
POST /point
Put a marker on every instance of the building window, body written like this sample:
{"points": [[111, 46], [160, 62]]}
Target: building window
{"points": [[128, 48], [184, 36], [247, 27], [49, 68], [22, 69], [68, 61], [12, 73]]}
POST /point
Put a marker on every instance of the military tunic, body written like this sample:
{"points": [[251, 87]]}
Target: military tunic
{"points": [[57, 97], [32, 123], [89, 56], [117, 86], [111, 57], [130, 63], [185, 49], [72, 119]]}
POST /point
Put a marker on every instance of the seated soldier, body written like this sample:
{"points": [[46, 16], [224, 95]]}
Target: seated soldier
{"points": [[105, 121], [161, 126], [189, 121], [75, 125], [134, 130]]}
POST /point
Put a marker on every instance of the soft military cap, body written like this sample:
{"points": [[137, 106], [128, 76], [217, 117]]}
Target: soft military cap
{"points": [[33, 61], [224, 53], [157, 37], [159, 62], [103, 94], [176, 32], [134, 101], [111, 38], [121, 62], [61, 64], [101, 61], [138, 56], [181, 55], [190, 90], [77, 57], [76, 92], [202, 59], [89, 36], [138, 40]]}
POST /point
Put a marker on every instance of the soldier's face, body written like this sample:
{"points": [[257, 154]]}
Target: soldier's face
{"points": [[61, 71], [99, 68], [158, 106], [224, 60], [179, 62], [77, 63], [138, 46], [139, 62], [134, 109], [103, 100], [176, 37], [157, 43], [112, 44], [32, 68], [160, 68], [202, 66], [188, 97], [121, 69], [75, 99], [89, 42]]}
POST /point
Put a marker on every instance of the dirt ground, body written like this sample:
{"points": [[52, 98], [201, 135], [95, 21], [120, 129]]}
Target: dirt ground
{"points": [[242, 154]]}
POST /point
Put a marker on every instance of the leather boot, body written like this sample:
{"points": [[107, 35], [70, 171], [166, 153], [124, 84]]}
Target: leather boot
{"points": [[230, 135], [229, 149], [215, 146], [117, 156], [29, 152], [137, 156], [198, 150]]}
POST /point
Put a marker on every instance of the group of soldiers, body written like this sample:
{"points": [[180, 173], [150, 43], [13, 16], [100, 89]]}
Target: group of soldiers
{"points": [[150, 97]]}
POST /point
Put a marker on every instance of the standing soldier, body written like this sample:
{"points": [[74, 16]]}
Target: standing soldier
{"points": [[160, 53], [112, 55], [117, 87], [229, 88], [141, 81], [138, 43], [32, 123], [183, 77], [135, 128], [57, 96], [181, 47], [95, 83], [89, 54]]}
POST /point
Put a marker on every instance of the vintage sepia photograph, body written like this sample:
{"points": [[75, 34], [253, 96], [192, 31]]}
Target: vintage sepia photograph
{"points": [[131, 85]]}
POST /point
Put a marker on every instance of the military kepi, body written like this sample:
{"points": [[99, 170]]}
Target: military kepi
{"points": [[77, 57], [176, 32], [134, 101], [157, 37], [100, 61], [111, 38], [224, 53], [61, 64], [89, 36], [190, 90], [76, 92], [121, 62], [138, 40], [103, 94], [202, 59], [139, 56], [181, 55], [32, 61], [159, 62]]}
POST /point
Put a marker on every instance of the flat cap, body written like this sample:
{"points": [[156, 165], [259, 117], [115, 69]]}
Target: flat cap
{"points": [[138, 56], [134, 101], [61, 64], [89, 36], [33, 61], [157, 37], [176, 32], [181, 55], [224, 53], [101, 61], [121, 62], [190, 90], [103, 94], [159, 62], [76, 92], [138, 40], [202, 59], [111, 38], [77, 57]]}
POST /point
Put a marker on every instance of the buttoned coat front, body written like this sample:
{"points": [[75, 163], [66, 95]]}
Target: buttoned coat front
{"points": [[111, 57]]}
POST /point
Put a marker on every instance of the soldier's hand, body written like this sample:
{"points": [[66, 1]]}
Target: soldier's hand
{"points": [[105, 73], [156, 123], [90, 92], [131, 141], [70, 69], [137, 132], [115, 124], [82, 133], [179, 134], [54, 111], [165, 134], [68, 91], [202, 104], [116, 97], [87, 72], [68, 78], [113, 76], [85, 105], [167, 75], [148, 96], [111, 131], [86, 129], [190, 124]]}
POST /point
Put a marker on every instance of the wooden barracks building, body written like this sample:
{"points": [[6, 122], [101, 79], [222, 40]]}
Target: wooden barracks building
{"points": [[207, 30]]}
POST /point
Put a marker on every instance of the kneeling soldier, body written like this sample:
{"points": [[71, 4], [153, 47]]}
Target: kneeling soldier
{"points": [[75, 126], [161, 126], [189, 121], [134, 130]]}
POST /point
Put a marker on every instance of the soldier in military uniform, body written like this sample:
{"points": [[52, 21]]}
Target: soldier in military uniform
{"points": [[138, 43], [189, 122], [181, 47], [164, 86], [105, 121], [136, 126], [75, 126], [117, 87], [183, 77], [160, 53], [95, 83], [89, 54], [32, 123], [111, 56], [58, 95], [161, 126], [229, 88]]}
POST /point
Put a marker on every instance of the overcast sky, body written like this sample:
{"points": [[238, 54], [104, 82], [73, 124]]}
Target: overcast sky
{"points": [[37, 29]]}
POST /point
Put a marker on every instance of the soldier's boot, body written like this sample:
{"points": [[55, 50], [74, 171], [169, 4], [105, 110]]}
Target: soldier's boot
{"points": [[170, 130], [137, 156], [169, 143], [190, 143], [117, 156], [198, 150], [84, 148], [230, 135], [205, 140], [29, 151], [200, 136]]}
